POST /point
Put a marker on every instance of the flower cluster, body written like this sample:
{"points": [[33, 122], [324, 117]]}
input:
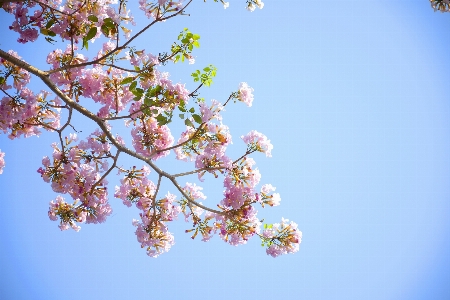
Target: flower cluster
{"points": [[73, 21], [156, 10], [193, 191], [265, 198], [282, 238], [136, 187], [23, 112], [245, 94], [149, 138], [257, 141], [69, 214], [76, 171], [151, 230], [20, 77]]}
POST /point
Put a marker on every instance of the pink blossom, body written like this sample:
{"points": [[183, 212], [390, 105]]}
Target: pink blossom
{"points": [[258, 142], [149, 138], [2, 161], [245, 94]]}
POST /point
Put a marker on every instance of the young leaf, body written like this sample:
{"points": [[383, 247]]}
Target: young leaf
{"points": [[188, 123], [132, 85], [127, 80], [93, 18], [197, 119], [50, 23], [92, 32]]}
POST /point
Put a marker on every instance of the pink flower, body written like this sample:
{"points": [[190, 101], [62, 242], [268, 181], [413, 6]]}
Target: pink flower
{"points": [[245, 94], [149, 137], [258, 142], [2, 161]]}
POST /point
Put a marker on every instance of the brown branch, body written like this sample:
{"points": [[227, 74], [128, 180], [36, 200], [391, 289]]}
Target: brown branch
{"points": [[107, 172], [120, 47], [99, 121], [181, 144], [197, 171]]}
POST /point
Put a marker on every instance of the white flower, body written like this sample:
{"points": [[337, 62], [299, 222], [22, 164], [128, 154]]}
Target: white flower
{"points": [[260, 4], [251, 7], [225, 5]]}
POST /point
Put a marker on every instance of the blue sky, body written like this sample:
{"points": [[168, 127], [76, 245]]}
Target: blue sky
{"points": [[354, 97]]}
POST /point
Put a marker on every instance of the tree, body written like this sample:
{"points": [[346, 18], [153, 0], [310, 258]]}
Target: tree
{"points": [[128, 85]]}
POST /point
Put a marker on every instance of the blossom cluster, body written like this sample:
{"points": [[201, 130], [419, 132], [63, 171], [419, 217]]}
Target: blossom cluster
{"points": [[151, 231], [155, 10], [149, 138], [76, 170], [245, 94], [23, 112], [282, 238], [257, 141], [71, 21]]}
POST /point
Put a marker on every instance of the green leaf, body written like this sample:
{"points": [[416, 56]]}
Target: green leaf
{"points": [[138, 92], [133, 86], [93, 18], [108, 21], [2, 80], [182, 108], [105, 30], [161, 120], [188, 123], [92, 32], [196, 44], [44, 31], [85, 43], [192, 110], [181, 115], [127, 80], [196, 37], [50, 24], [197, 119]]}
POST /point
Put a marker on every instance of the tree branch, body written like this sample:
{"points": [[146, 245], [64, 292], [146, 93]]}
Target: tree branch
{"points": [[100, 122]]}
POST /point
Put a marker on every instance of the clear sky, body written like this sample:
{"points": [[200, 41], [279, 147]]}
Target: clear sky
{"points": [[354, 96]]}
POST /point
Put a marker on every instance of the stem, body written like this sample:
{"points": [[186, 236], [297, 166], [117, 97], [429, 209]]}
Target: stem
{"points": [[120, 47]]}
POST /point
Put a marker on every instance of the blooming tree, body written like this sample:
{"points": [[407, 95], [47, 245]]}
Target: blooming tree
{"points": [[128, 86]]}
